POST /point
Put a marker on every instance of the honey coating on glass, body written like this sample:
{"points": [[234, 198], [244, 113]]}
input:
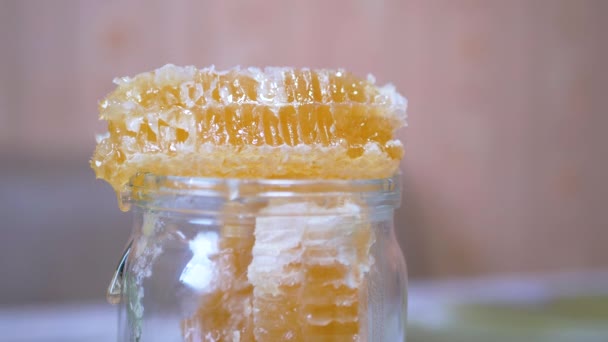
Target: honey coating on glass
{"points": [[226, 312]]}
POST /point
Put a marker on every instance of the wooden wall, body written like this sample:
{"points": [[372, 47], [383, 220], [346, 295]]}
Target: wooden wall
{"points": [[506, 160]]}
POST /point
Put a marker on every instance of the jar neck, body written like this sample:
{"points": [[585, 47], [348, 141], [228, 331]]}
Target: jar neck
{"points": [[191, 194]]}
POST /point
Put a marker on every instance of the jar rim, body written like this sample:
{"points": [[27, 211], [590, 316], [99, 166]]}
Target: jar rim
{"points": [[147, 186]]}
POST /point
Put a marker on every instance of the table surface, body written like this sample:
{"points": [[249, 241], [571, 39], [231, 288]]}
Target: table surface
{"points": [[91, 322], [432, 316]]}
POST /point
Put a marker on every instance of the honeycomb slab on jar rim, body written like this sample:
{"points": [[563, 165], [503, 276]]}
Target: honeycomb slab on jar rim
{"points": [[285, 277], [249, 123]]}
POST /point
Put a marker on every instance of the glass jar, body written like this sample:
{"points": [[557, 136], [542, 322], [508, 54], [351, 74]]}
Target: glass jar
{"points": [[261, 260]]}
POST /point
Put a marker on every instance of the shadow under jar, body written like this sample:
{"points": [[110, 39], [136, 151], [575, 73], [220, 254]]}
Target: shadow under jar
{"points": [[261, 260]]}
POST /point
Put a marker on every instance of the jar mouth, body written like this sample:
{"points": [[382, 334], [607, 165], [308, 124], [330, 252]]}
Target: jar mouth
{"points": [[147, 186]]}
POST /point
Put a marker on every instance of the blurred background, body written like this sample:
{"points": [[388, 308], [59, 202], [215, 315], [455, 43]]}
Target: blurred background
{"points": [[506, 149]]}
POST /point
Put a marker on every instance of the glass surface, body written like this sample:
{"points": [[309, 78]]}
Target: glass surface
{"points": [[263, 260]]}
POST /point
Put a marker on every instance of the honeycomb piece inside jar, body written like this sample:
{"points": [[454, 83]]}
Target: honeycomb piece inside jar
{"points": [[309, 272], [284, 277]]}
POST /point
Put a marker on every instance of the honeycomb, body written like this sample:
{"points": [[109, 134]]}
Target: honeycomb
{"points": [[287, 277], [249, 123]]}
